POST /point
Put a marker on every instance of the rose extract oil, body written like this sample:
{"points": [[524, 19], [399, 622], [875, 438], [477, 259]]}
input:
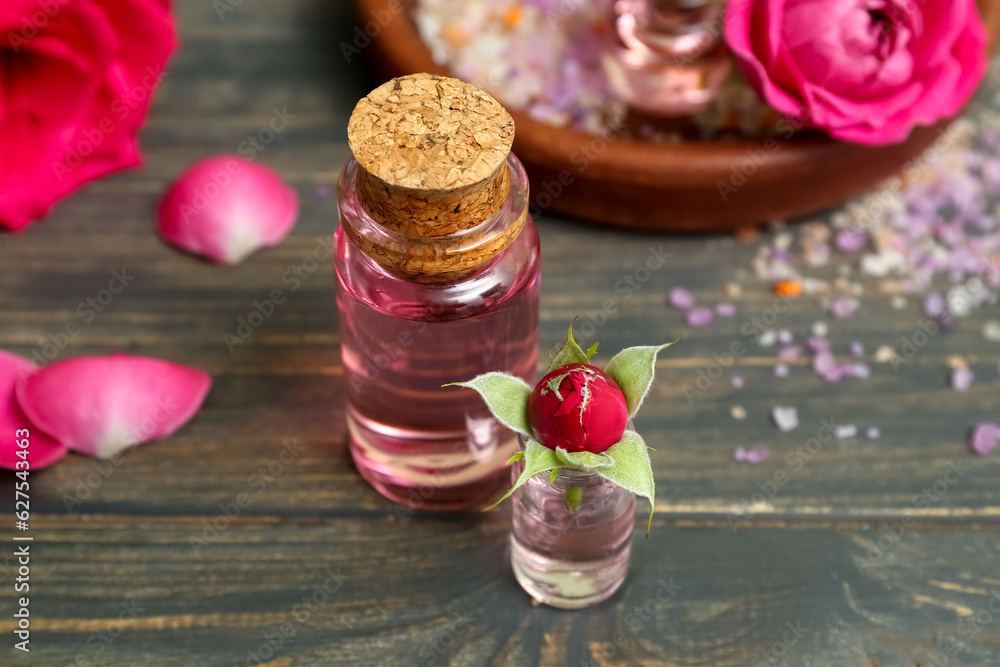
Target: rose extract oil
{"points": [[437, 264]]}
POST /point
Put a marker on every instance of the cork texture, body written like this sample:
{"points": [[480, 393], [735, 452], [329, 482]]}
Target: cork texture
{"points": [[432, 155]]}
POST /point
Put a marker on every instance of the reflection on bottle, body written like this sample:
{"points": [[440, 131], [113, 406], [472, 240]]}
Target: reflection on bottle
{"points": [[667, 57]]}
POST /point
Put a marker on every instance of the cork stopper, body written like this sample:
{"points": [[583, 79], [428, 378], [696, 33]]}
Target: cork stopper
{"points": [[432, 162]]}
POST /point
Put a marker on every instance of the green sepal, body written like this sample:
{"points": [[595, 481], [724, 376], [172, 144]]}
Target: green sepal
{"points": [[569, 353], [574, 496], [537, 459], [507, 398], [552, 477], [633, 370], [514, 459], [592, 350], [584, 460], [632, 469]]}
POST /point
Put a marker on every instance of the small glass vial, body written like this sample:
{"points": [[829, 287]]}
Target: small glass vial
{"points": [[572, 539], [668, 57], [437, 264]]}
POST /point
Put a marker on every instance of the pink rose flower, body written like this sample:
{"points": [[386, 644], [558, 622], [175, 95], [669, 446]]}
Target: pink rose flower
{"points": [[76, 83], [865, 71]]}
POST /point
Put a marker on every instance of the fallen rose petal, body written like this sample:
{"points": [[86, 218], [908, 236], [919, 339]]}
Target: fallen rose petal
{"points": [[844, 307], [790, 354], [681, 298], [226, 208], [699, 317], [725, 309], [102, 405], [42, 450], [985, 438]]}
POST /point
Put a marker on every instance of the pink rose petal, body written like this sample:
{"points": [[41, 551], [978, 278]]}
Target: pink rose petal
{"points": [[42, 450], [226, 208], [102, 405], [844, 307], [985, 438]]}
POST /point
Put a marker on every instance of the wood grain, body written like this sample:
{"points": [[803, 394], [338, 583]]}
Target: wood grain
{"points": [[108, 536]]}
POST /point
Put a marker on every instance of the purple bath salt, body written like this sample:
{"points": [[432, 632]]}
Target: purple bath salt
{"points": [[781, 370], [857, 349], [790, 354], [755, 455], [818, 344], [737, 382], [985, 438], [850, 240], [681, 298], [785, 337], [934, 305], [725, 309], [699, 317], [873, 433], [961, 379], [844, 307]]}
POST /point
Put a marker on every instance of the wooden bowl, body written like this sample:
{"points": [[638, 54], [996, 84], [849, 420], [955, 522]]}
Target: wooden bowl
{"points": [[675, 187]]}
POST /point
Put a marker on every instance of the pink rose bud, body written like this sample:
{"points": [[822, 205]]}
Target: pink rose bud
{"points": [[579, 408]]}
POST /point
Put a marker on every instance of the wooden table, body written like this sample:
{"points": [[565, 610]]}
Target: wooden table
{"points": [[321, 570]]}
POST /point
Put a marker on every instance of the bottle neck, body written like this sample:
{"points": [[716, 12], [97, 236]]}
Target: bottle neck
{"points": [[409, 249]]}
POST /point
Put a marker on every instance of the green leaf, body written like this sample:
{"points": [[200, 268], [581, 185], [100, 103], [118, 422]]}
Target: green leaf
{"points": [[507, 398], [537, 459], [569, 353], [632, 469], [584, 460], [633, 370]]}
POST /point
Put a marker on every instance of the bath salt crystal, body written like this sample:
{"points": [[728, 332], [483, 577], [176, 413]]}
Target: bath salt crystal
{"points": [[738, 412], [755, 455], [857, 349], [781, 370], [885, 354], [699, 317], [961, 379], [984, 438], [991, 331], [785, 337], [785, 418], [845, 431], [873, 433], [725, 310], [844, 307], [737, 382], [768, 338], [681, 298], [820, 329], [898, 302]]}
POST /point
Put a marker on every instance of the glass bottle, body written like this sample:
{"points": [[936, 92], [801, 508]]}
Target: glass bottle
{"points": [[571, 539], [667, 57], [435, 285]]}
